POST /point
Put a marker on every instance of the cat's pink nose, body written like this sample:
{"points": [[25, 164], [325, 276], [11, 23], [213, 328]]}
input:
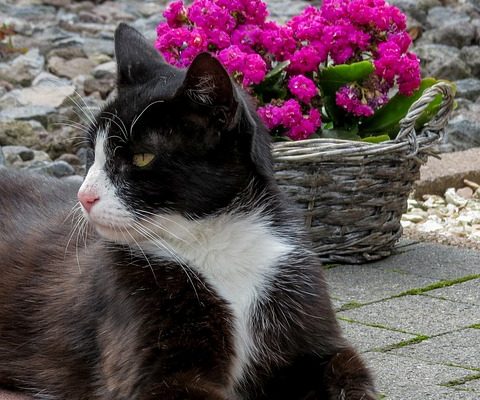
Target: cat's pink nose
{"points": [[87, 199]]}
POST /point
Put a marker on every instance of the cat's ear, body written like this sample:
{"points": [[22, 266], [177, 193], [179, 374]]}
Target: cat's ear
{"points": [[137, 59], [208, 83]]}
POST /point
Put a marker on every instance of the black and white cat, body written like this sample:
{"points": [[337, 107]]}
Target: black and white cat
{"points": [[192, 279]]}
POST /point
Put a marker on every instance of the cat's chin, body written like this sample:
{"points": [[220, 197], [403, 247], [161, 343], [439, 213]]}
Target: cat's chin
{"points": [[118, 234]]}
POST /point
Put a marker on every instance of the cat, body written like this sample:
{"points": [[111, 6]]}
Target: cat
{"points": [[190, 278]]}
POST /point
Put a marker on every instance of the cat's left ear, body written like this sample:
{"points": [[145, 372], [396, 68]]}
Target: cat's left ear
{"points": [[137, 60], [208, 83]]}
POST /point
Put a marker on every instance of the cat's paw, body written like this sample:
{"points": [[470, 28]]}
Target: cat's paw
{"points": [[348, 378]]}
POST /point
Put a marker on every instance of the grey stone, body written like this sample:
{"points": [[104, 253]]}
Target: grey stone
{"points": [[93, 46], [44, 95], [466, 292], [463, 132], [443, 16], [471, 56], [468, 88], [402, 378], [456, 35], [368, 338], [459, 348], [34, 13], [442, 61], [2, 158], [381, 283], [37, 113], [67, 53], [421, 315], [106, 70], [26, 133], [58, 169], [23, 69], [102, 86], [70, 68], [24, 153]]}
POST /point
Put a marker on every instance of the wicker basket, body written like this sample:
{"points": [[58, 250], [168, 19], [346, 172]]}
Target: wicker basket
{"points": [[353, 194]]}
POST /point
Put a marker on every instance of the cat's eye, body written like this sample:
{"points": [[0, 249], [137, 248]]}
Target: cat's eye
{"points": [[143, 159]]}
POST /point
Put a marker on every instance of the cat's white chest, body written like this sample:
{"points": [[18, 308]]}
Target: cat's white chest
{"points": [[238, 256]]}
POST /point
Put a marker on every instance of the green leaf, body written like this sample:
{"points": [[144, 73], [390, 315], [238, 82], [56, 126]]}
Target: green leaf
{"points": [[277, 69], [376, 139], [273, 85], [333, 78], [387, 118]]}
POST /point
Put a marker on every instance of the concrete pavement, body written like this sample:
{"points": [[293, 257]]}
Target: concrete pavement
{"points": [[416, 318]]}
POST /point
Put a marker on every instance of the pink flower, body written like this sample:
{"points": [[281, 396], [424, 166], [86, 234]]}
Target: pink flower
{"points": [[254, 70], [303, 88], [306, 59], [175, 14], [349, 98], [307, 126]]}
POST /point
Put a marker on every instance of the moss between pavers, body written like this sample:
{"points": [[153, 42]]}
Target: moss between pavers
{"points": [[461, 381], [350, 306], [403, 343], [438, 285]]}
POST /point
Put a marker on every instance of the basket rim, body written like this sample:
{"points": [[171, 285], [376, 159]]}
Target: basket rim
{"points": [[407, 143]]}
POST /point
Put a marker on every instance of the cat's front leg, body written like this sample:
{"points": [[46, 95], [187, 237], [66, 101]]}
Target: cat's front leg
{"points": [[339, 376], [346, 377], [188, 388]]}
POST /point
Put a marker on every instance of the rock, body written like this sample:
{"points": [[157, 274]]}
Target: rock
{"points": [[2, 158], [468, 88], [471, 56], [58, 169], [457, 35], [442, 61], [67, 53], [37, 113], [93, 46], [20, 26], [436, 176], [107, 70], [465, 192], [23, 133], [443, 16], [70, 68], [23, 69], [103, 86], [72, 159], [21, 152], [415, 218], [463, 132], [430, 226], [451, 197], [45, 92]]}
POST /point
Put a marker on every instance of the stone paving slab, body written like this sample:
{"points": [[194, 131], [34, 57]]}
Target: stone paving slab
{"points": [[349, 282], [417, 314], [461, 348], [403, 378], [432, 261], [367, 338], [473, 386], [466, 292]]}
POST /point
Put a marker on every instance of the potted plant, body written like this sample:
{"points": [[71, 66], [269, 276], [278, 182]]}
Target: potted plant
{"points": [[343, 98]]}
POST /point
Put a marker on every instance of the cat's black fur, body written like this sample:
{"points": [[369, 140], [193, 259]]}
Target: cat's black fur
{"points": [[88, 319]]}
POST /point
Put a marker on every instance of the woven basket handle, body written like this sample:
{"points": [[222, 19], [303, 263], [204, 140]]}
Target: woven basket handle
{"points": [[436, 125]]}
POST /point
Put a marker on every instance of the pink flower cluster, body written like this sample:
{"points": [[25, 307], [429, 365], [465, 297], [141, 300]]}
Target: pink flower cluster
{"points": [[238, 33]]}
